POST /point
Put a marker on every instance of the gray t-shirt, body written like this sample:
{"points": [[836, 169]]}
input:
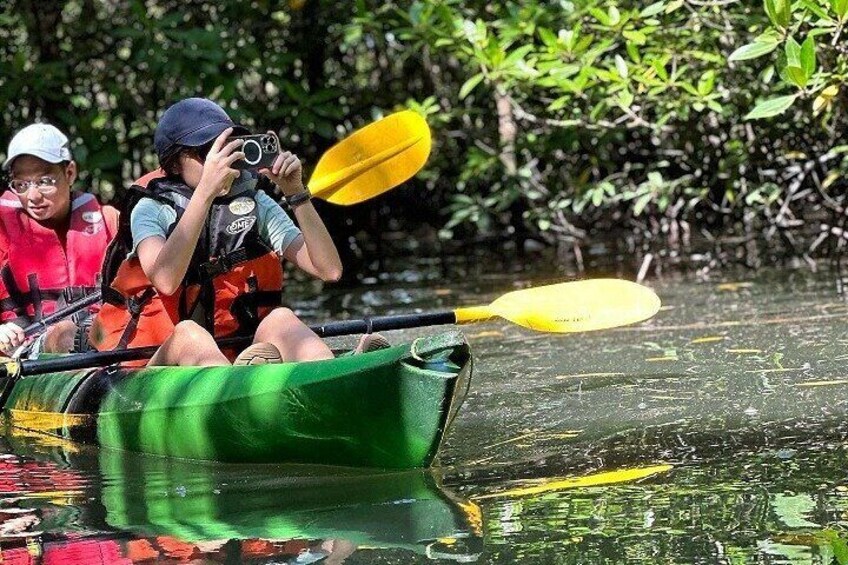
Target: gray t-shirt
{"points": [[151, 218]]}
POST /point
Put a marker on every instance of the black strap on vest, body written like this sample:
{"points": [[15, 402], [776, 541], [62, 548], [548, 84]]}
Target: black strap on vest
{"points": [[35, 293], [134, 304]]}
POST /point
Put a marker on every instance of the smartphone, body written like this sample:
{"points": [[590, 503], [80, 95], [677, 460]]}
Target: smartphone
{"points": [[260, 151]]}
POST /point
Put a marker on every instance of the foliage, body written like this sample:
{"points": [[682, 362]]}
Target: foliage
{"points": [[553, 118], [568, 116]]}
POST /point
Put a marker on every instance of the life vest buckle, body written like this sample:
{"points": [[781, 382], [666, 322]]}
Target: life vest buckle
{"points": [[134, 305], [217, 266]]}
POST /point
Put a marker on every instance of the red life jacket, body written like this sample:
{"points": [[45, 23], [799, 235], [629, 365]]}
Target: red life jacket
{"points": [[40, 272], [234, 277]]}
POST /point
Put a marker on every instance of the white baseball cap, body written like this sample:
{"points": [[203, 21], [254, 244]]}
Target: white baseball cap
{"points": [[40, 140]]}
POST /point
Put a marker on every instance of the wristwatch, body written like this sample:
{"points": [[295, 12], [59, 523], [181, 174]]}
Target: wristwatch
{"points": [[297, 199]]}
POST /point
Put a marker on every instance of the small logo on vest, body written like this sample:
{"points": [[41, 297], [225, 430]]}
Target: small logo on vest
{"points": [[92, 217], [241, 225], [242, 206]]}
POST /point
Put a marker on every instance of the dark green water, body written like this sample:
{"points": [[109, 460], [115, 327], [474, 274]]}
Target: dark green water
{"points": [[730, 405]]}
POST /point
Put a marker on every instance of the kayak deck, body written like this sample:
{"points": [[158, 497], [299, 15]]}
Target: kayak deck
{"points": [[387, 409]]}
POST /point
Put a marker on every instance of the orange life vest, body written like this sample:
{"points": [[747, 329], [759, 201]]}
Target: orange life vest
{"points": [[39, 272], [233, 277]]}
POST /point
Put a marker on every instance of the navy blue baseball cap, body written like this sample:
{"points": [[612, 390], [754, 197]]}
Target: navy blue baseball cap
{"points": [[192, 122]]}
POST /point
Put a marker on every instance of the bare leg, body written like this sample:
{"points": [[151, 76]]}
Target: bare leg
{"points": [[60, 337], [189, 345], [292, 337]]}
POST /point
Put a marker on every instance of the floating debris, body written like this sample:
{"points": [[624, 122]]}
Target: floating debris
{"points": [[708, 339], [597, 479]]}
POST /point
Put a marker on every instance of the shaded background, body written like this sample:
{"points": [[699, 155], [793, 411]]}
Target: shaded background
{"points": [[685, 126]]}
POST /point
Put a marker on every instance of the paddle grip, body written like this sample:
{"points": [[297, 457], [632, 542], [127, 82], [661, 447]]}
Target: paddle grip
{"points": [[384, 323]]}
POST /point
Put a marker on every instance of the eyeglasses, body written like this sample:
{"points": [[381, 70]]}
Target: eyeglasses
{"points": [[45, 185]]}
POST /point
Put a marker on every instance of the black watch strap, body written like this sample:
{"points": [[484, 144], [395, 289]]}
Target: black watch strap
{"points": [[297, 199]]}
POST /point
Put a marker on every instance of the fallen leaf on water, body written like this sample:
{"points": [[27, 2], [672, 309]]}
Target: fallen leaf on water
{"points": [[596, 479], [823, 383], [582, 375], [734, 286], [662, 359], [487, 333], [708, 339], [783, 370], [512, 440]]}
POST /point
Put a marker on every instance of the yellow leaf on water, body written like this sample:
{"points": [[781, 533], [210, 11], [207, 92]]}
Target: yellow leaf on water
{"points": [[582, 375], [823, 383], [709, 339], [734, 286], [487, 333], [596, 479]]}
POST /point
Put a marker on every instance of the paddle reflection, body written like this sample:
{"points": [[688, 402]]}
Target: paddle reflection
{"points": [[118, 507]]}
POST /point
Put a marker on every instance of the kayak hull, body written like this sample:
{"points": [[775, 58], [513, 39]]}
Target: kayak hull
{"points": [[385, 409]]}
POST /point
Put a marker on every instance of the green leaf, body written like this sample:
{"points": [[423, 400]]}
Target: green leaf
{"points": [[840, 8], [771, 107], [518, 55], [796, 76], [641, 203], [707, 83], [808, 56], [675, 5], [601, 16], [621, 66], [633, 51], [469, 85], [548, 37], [636, 37], [817, 10], [783, 9], [771, 10], [793, 52], [614, 16], [752, 51], [652, 10], [625, 99]]}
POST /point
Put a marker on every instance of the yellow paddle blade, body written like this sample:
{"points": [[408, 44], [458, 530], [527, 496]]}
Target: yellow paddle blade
{"points": [[373, 160], [578, 306], [594, 480]]}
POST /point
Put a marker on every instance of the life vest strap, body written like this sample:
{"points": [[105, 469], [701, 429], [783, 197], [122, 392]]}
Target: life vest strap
{"points": [[222, 264], [135, 305]]}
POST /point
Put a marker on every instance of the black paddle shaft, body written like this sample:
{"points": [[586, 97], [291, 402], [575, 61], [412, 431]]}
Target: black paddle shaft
{"points": [[334, 329], [60, 315]]}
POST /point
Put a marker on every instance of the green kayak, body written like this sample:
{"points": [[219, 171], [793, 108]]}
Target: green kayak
{"points": [[385, 409]]}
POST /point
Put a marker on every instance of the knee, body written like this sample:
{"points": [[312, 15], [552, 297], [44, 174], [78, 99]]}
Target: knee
{"points": [[190, 331], [281, 316]]}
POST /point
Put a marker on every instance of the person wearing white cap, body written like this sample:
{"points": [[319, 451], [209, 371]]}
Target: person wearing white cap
{"points": [[52, 240]]}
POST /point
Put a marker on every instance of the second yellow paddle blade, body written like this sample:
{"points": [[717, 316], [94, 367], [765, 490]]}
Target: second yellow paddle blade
{"points": [[372, 160], [578, 306]]}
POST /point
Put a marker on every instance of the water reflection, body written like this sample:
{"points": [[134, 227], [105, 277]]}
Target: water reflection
{"points": [[739, 384], [65, 504]]}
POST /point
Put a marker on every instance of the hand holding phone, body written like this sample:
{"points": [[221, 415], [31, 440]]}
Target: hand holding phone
{"points": [[260, 151]]}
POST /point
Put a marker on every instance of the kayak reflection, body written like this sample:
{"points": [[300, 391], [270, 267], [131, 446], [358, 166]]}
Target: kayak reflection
{"points": [[154, 509]]}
